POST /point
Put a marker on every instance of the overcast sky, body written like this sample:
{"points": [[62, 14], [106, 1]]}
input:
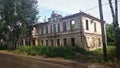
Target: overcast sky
{"points": [[67, 7]]}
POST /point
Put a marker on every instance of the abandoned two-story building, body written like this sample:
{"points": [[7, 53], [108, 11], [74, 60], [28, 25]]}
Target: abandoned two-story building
{"points": [[79, 29]]}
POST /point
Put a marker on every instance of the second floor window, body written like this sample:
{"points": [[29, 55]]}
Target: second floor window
{"points": [[64, 26], [95, 27], [51, 28], [54, 28], [87, 25], [58, 27], [42, 30], [46, 29], [72, 24]]}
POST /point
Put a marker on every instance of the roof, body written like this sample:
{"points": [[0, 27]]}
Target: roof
{"points": [[81, 14], [42, 23], [71, 16]]}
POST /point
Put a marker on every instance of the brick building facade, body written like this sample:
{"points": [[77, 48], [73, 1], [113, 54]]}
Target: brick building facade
{"points": [[79, 29]]}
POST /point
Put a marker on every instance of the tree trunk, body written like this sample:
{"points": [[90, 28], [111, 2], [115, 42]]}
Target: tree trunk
{"points": [[117, 31], [116, 28]]}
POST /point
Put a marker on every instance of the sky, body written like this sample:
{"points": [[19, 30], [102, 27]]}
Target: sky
{"points": [[68, 7]]}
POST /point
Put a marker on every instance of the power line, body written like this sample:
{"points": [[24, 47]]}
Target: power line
{"points": [[97, 6]]}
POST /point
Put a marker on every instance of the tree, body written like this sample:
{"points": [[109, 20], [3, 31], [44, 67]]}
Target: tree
{"points": [[116, 28], [110, 33], [16, 17]]}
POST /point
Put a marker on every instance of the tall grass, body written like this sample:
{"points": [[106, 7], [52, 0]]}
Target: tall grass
{"points": [[49, 51], [98, 54], [68, 52]]}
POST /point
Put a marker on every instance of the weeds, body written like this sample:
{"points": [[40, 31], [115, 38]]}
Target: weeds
{"points": [[49, 51], [69, 52]]}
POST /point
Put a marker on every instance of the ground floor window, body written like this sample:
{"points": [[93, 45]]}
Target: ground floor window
{"points": [[58, 42], [93, 42], [33, 42], [28, 43], [46, 42], [41, 42], [99, 42], [73, 41], [22, 42], [88, 42], [64, 41]]}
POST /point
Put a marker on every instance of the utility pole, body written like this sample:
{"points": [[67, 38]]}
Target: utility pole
{"points": [[103, 32]]}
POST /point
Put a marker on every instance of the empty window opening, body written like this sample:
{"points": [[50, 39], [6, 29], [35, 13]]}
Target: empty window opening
{"points": [[64, 41], [58, 42], [73, 41]]}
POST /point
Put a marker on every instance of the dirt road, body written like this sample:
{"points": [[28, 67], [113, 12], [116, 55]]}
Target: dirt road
{"points": [[20, 61]]}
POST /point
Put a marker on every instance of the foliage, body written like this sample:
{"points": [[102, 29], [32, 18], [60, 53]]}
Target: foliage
{"points": [[98, 54], [110, 32], [3, 47], [74, 53], [48, 51], [15, 18]]}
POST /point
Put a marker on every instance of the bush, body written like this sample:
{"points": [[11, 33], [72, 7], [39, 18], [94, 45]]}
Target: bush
{"points": [[68, 52], [49, 51], [3, 47]]}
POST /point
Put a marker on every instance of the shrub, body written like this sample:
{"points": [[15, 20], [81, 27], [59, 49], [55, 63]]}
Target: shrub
{"points": [[3, 47], [49, 51]]}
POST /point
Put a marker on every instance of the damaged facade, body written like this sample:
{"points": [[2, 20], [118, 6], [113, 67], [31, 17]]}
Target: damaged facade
{"points": [[79, 29]]}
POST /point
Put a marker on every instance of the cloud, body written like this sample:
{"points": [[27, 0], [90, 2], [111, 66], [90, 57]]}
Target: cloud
{"points": [[70, 6], [66, 7]]}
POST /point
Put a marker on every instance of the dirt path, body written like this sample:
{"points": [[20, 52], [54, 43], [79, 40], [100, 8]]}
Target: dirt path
{"points": [[8, 60]]}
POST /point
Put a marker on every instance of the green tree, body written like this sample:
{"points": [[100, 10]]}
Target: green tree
{"points": [[16, 17], [110, 32]]}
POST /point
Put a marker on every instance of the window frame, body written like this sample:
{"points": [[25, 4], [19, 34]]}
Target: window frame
{"points": [[58, 26], [71, 24], [64, 26], [87, 24], [46, 29]]}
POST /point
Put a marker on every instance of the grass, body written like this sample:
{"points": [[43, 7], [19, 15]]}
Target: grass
{"points": [[67, 52], [97, 56], [49, 51]]}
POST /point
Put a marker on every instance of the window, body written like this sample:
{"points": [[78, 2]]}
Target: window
{"points": [[65, 41], [54, 28], [64, 26], [99, 42], [41, 42], [58, 42], [33, 42], [95, 27], [58, 27], [46, 29], [46, 42], [87, 25], [41, 30], [88, 42], [73, 41], [93, 40], [72, 24], [51, 28]]}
